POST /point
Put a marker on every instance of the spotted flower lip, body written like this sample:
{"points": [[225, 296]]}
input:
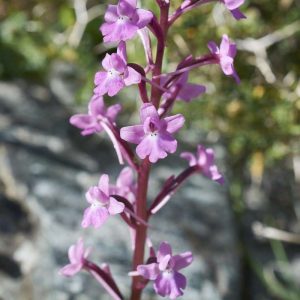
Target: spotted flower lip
{"points": [[89, 123], [225, 55], [164, 271], [122, 21], [205, 159], [153, 135], [77, 256], [117, 74], [233, 6], [101, 204]]}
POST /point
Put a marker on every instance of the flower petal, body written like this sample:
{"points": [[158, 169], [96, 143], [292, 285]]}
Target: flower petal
{"points": [[164, 249], [114, 85], [70, 270], [149, 271], [191, 91], [96, 106], [126, 7], [113, 111], [190, 157], [132, 77], [182, 260], [148, 110], [111, 14], [133, 134], [104, 184], [174, 123], [145, 16], [115, 207], [233, 4], [121, 51]]}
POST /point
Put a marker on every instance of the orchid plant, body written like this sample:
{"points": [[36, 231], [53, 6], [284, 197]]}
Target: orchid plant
{"points": [[155, 137]]}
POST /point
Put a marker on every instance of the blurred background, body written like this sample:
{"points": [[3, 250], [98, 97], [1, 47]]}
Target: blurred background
{"points": [[246, 235]]}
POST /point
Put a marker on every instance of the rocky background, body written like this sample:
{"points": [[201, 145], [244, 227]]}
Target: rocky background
{"points": [[45, 168]]}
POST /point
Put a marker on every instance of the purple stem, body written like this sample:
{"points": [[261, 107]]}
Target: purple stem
{"points": [[104, 279], [141, 229], [130, 157], [171, 186], [161, 39], [185, 7]]}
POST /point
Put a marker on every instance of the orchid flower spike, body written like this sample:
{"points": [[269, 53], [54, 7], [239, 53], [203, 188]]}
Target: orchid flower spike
{"points": [[205, 160], [225, 55], [117, 74], [122, 21], [233, 6], [154, 135], [91, 122], [164, 272], [101, 204], [77, 256]]}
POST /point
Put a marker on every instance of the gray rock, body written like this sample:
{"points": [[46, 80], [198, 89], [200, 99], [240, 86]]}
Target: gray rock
{"points": [[48, 167]]}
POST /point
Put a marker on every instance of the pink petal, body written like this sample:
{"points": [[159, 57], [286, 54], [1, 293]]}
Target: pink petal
{"points": [[164, 249], [227, 65], [145, 16], [174, 123], [107, 62], [121, 51], [225, 43], [213, 47], [115, 207], [190, 157], [111, 14], [96, 106], [126, 7], [108, 28], [133, 134], [144, 148], [182, 260], [233, 4], [114, 85], [101, 83], [82, 121], [163, 263], [167, 143], [132, 77], [148, 110], [72, 254], [191, 91], [125, 178], [104, 184], [215, 175], [113, 111], [118, 63], [94, 217], [70, 270], [149, 271]]}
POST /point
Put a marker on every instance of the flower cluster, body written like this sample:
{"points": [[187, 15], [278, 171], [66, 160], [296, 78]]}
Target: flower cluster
{"points": [[154, 135]]}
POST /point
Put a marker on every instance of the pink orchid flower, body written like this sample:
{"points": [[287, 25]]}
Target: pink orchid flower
{"points": [[225, 55], [117, 74], [77, 256], [101, 204], [167, 280], [122, 21], [205, 160], [154, 135]]}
